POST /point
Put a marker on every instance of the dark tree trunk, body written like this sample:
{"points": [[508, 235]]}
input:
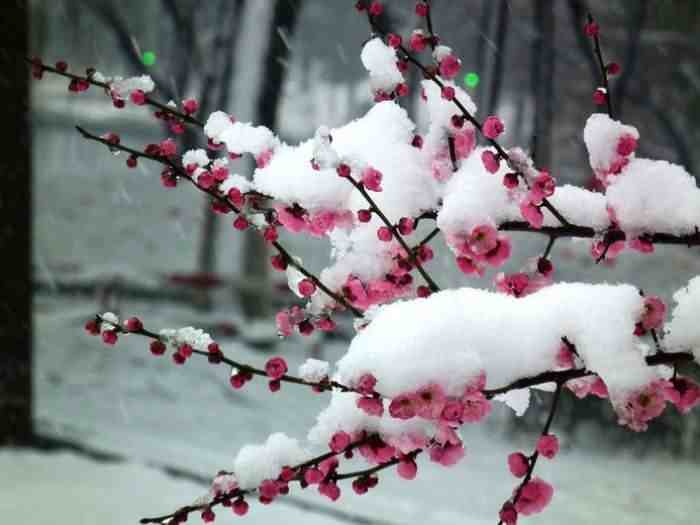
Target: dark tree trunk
{"points": [[256, 302], [15, 235], [543, 82], [496, 72]]}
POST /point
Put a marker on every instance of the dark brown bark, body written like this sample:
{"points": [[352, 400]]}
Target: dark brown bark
{"points": [[15, 235]]}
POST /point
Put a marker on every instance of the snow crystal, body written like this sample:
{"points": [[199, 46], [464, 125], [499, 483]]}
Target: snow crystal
{"points": [[313, 370], [122, 88], [239, 137], [110, 317], [380, 61], [684, 328], [441, 110], [451, 336], [255, 463], [342, 414], [235, 181], [195, 337], [518, 400], [195, 156], [474, 196], [655, 195]]}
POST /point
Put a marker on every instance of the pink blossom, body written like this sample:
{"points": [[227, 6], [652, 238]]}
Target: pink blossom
{"points": [[534, 497], [206, 180], [422, 9], [190, 105], [313, 476], [329, 488], [599, 97], [376, 8], [185, 350], [565, 357], [508, 515], [510, 180], [483, 239], [425, 253], [340, 441], [138, 97], [393, 40], [417, 42], [263, 159], [417, 141], [642, 244], [168, 147], [157, 347], [371, 405], [208, 515], [453, 411], [270, 234], [613, 68], [240, 223], [591, 29], [465, 141], [626, 145], [407, 468], [449, 66], [490, 160], [548, 446], [423, 291], [404, 406], [447, 455], [468, 265], [366, 384], [515, 284], [492, 127], [109, 337], [276, 367], [133, 324], [448, 93], [268, 489], [364, 215], [372, 179], [518, 464], [240, 507], [684, 393], [532, 214], [654, 313], [384, 234], [326, 324], [599, 389], [643, 405], [500, 253], [307, 287], [429, 401], [406, 225], [475, 407], [542, 187], [292, 218]]}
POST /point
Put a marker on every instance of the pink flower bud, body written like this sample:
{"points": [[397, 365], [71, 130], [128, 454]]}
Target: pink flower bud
{"points": [[276, 367]]}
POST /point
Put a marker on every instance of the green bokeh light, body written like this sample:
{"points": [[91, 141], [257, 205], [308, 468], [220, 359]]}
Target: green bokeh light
{"points": [[471, 79], [149, 58]]}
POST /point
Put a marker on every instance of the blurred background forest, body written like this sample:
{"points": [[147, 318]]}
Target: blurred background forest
{"points": [[108, 238]]}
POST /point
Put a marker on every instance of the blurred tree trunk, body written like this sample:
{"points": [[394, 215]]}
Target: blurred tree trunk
{"points": [[15, 210], [495, 74], [542, 79], [637, 19], [215, 95], [255, 301]]}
